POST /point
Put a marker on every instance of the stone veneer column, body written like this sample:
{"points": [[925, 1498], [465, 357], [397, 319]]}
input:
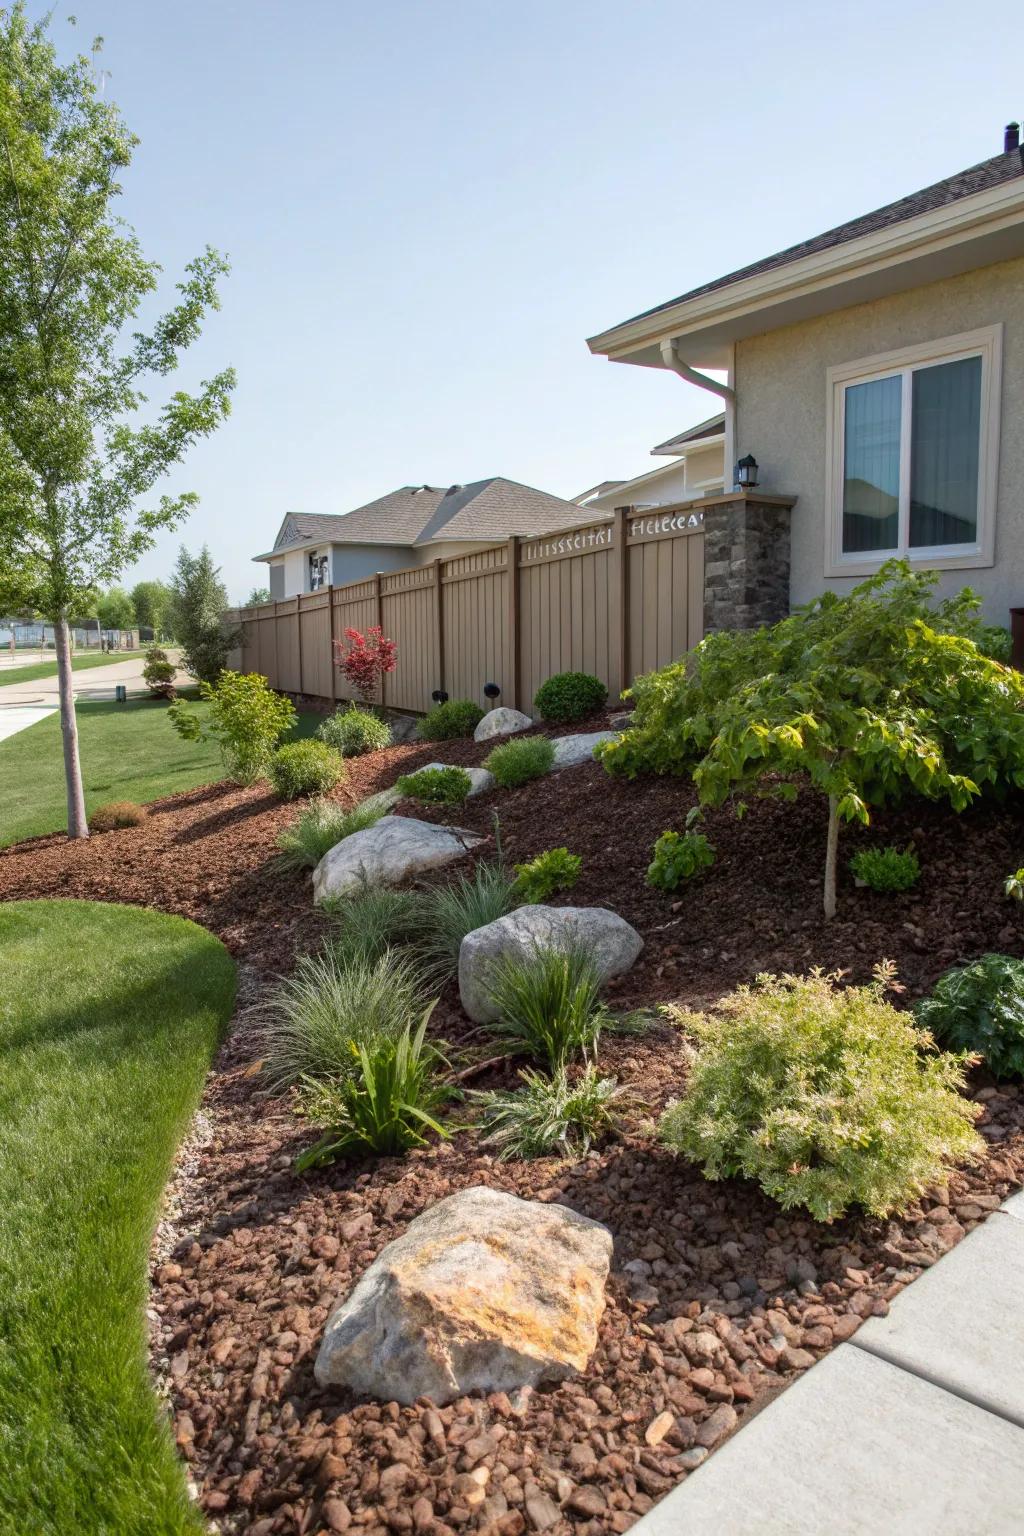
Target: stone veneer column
{"points": [[746, 561]]}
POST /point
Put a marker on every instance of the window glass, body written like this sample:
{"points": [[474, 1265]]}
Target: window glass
{"points": [[944, 452], [871, 465]]}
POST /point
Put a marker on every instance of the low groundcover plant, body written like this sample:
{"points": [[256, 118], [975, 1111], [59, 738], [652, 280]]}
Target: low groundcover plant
{"points": [[436, 786], [828, 1097], [678, 856], [980, 1007], [555, 1116], [555, 870], [886, 869]]}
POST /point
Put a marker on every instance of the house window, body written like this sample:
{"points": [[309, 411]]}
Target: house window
{"points": [[913, 455], [317, 572]]}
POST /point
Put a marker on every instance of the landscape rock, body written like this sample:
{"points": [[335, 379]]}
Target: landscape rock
{"points": [[570, 750], [501, 722], [391, 850], [614, 945], [481, 780], [482, 1292]]}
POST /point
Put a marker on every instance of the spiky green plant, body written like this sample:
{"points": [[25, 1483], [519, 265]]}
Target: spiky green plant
{"points": [[446, 913], [371, 920], [319, 829], [548, 1003], [551, 1116]]}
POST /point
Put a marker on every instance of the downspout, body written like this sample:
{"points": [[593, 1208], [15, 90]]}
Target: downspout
{"points": [[671, 359]]}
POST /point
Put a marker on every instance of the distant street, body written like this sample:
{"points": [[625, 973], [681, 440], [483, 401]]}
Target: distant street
{"points": [[22, 704]]}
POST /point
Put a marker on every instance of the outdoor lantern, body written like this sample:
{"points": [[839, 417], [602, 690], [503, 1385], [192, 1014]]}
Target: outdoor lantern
{"points": [[492, 691], [439, 696], [746, 472]]}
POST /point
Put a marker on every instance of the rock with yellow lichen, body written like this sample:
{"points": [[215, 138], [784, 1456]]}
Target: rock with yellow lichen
{"points": [[483, 1292]]}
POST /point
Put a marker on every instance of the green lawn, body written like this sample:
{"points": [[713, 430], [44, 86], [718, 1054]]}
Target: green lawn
{"points": [[129, 752], [38, 669], [109, 1017]]}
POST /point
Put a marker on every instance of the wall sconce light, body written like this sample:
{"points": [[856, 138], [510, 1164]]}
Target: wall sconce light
{"points": [[439, 696], [746, 472], [492, 691]]}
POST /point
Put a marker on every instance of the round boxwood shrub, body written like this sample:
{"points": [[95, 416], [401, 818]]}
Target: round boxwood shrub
{"points": [[354, 731], [448, 721], [569, 696], [980, 1007], [305, 768]]}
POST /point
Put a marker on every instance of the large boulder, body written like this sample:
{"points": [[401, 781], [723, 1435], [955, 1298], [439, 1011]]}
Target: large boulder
{"points": [[479, 778], [610, 939], [483, 1292], [501, 722], [570, 750], [386, 853]]}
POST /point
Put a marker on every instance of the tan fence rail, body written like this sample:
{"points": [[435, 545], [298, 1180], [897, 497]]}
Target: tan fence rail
{"points": [[617, 598]]}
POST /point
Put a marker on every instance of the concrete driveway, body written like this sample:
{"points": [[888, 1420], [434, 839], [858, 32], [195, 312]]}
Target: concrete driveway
{"points": [[23, 704]]}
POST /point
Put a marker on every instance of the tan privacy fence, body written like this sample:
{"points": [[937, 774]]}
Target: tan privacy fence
{"points": [[616, 599]]}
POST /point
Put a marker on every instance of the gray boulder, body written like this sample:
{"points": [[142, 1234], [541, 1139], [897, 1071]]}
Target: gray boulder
{"points": [[480, 779], [483, 1292], [387, 853], [613, 943], [501, 722], [570, 750]]}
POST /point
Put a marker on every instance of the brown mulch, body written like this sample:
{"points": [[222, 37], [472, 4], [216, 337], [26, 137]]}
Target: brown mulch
{"points": [[717, 1299]]}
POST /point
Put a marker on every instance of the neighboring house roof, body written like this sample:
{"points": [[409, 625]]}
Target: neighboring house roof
{"points": [[483, 511], [988, 173], [600, 489], [713, 428]]}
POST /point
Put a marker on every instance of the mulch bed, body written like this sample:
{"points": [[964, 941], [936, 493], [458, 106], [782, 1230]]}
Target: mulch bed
{"points": [[717, 1299]]}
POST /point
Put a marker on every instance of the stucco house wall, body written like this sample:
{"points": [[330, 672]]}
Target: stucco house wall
{"points": [[782, 409]]}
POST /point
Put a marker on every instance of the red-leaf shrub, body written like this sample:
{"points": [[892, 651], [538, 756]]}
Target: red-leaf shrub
{"points": [[364, 659]]}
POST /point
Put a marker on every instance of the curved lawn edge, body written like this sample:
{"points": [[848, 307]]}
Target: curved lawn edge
{"points": [[109, 1019]]}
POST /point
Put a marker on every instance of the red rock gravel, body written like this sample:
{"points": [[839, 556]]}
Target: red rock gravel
{"points": [[717, 1299]]}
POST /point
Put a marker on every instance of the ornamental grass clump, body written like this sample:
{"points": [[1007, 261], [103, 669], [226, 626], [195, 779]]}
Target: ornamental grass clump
{"points": [[436, 786], [319, 829], [828, 1097], [446, 913], [354, 731], [371, 920], [555, 870], [555, 1116], [548, 1003], [449, 721], [117, 814], [862, 698], [886, 869], [517, 762], [305, 768], [980, 1007]]}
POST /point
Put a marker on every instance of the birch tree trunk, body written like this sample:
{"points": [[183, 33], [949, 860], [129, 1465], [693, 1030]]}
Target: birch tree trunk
{"points": [[77, 824], [831, 853]]}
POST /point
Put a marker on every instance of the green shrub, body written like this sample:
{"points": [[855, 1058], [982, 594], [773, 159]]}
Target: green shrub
{"points": [[371, 920], [305, 768], [554, 870], [1013, 886], [886, 869], [548, 1004], [551, 1116], [354, 731], [569, 696], [517, 762], [446, 913], [678, 856], [446, 722], [319, 829], [862, 697], [386, 1105], [312, 1021], [823, 1095], [158, 673], [117, 814], [993, 641], [245, 716], [980, 1007], [436, 786]]}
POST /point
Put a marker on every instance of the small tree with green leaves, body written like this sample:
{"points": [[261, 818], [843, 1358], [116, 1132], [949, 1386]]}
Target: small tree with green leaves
{"points": [[77, 454], [116, 610], [150, 599], [865, 697], [198, 600]]}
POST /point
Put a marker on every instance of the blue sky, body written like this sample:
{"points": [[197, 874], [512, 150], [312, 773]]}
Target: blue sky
{"points": [[429, 207]]}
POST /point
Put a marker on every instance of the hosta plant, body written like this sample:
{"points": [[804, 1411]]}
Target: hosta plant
{"points": [[828, 1097], [436, 786], [555, 870], [556, 1116], [886, 869], [548, 1004], [980, 1007]]}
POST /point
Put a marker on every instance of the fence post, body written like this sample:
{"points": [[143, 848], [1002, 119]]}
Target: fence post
{"points": [[298, 639], [378, 610], [439, 619], [620, 590], [512, 558]]}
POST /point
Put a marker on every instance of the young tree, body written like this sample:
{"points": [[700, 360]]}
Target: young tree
{"points": [[75, 462], [198, 600], [150, 599], [864, 697], [116, 609], [257, 596]]}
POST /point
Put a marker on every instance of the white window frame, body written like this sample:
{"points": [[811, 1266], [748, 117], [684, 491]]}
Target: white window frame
{"points": [[317, 555], [986, 343]]}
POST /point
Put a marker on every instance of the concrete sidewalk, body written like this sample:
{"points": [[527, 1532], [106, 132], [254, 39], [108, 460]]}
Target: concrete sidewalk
{"points": [[913, 1428]]}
